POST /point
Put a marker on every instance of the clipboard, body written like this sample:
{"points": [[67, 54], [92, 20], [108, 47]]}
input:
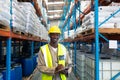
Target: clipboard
{"points": [[66, 68]]}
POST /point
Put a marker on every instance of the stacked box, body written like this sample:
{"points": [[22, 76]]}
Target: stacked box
{"points": [[80, 66], [113, 22], [5, 13], [43, 10], [18, 20], [29, 13], [107, 68], [44, 13], [43, 33], [78, 30], [37, 25], [71, 34]]}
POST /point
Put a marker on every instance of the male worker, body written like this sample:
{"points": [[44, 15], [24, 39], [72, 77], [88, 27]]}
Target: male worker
{"points": [[53, 58]]}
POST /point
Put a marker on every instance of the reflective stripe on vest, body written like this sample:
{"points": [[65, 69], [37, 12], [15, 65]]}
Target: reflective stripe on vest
{"points": [[48, 59], [61, 58]]}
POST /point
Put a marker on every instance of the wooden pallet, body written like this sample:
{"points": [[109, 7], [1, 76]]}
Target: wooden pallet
{"points": [[36, 37], [30, 35], [102, 30], [19, 32], [79, 35], [26, 34], [16, 32], [5, 28]]}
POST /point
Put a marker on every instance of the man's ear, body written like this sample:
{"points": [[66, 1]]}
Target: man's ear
{"points": [[48, 35], [48, 39]]}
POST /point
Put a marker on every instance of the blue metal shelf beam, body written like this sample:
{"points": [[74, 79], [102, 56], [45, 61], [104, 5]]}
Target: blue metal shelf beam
{"points": [[75, 57], [104, 37], [8, 51], [114, 77], [32, 48], [75, 43], [96, 42], [69, 16], [8, 61], [68, 26]]}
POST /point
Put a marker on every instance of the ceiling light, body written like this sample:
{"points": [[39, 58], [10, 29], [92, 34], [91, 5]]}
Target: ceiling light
{"points": [[55, 10], [53, 3]]}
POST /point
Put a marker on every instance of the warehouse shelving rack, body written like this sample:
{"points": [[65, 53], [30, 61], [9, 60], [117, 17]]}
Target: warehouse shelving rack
{"points": [[9, 36], [97, 34], [75, 5]]}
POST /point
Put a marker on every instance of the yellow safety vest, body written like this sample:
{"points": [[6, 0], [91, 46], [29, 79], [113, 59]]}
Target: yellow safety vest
{"points": [[48, 60]]}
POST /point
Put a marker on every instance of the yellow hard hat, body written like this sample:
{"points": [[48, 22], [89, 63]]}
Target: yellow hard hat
{"points": [[54, 29]]}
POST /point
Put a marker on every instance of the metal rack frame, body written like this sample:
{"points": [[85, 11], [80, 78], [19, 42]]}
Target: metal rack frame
{"points": [[97, 41], [9, 35]]}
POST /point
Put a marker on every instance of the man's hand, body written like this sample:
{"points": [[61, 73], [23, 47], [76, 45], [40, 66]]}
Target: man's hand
{"points": [[65, 71], [59, 68]]}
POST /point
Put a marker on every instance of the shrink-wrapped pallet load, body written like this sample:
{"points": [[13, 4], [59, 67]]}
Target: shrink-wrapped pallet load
{"points": [[70, 34], [18, 20], [4, 13], [88, 20], [29, 13]]}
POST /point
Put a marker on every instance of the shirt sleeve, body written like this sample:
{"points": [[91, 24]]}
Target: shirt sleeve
{"points": [[68, 61], [42, 66]]}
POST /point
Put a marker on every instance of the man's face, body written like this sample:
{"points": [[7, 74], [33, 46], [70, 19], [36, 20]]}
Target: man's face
{"points": [[54, 37]]}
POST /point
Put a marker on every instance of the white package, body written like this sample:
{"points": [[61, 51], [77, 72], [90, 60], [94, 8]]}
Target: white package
{"points": [[79, 30], [4, 21], [18, 27], [106, 25], [108, 8]]}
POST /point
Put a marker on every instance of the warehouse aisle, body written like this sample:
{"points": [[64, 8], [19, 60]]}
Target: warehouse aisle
{"points": [[24, 28]]}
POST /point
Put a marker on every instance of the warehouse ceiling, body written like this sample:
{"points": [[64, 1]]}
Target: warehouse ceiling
{"points": [[54, 9]]}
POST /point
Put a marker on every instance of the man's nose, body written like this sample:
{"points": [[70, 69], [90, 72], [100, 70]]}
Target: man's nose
{"points": [[56, 36]]}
